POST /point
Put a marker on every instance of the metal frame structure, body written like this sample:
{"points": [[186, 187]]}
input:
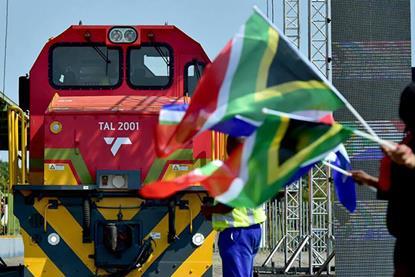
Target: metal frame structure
{"points": [[291, 9], [319, 30], [292, 219], [320, 216], [320, 206], [293, 193]]}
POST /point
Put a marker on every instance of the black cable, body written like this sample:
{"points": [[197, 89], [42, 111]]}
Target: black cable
{"points": [[267, 9], [143, 254], [5, 47]]}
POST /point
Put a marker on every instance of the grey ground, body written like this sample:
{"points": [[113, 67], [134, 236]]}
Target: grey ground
{"points": [[278, 259]]}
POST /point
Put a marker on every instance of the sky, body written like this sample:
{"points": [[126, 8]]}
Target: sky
{"points": [[31, 23], [210, 22]]}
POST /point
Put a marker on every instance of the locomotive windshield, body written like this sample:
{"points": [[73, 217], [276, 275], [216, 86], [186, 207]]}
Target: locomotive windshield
{"points": [[85, 66], [193, 71], [150, 67]]}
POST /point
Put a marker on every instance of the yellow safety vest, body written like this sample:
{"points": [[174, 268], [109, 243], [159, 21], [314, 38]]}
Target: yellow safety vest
{"points": [[238, 217]]}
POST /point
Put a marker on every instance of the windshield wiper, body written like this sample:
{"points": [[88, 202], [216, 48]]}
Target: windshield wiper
{"points": [[104, 57], [101, 54], [164, 57], [197, 70]]}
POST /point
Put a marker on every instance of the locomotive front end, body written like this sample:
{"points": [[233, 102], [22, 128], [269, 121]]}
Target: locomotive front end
{"points": [[95, 95]]}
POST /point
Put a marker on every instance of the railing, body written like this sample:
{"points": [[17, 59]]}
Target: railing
{"points": [[17, 146], [218, 141], [273, 227], [18, 124]]}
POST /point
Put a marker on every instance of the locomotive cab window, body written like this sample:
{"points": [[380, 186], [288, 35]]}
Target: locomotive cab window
{"points": [[193, 71], [85, 66], [150, 67]]}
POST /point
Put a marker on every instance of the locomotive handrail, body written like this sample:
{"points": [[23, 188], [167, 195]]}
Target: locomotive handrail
{"points": [[16, 115], [218, 142]]}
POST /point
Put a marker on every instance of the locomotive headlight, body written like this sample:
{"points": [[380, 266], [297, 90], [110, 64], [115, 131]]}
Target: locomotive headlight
{"points": [[122, 35], [130, 35], [118, 181], [116, 35], [113, 181]]}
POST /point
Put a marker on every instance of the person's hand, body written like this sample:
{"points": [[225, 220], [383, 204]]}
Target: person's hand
{"points": [[402, 155], [362, 177], [207, 211]]}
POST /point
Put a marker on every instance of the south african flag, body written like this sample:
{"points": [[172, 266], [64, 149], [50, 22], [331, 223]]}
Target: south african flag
{"points": [[257, 69]]}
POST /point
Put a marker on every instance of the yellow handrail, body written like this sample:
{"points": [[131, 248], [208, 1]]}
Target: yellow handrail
{"points": [[212, 144], [15, 115], [218, 142]]}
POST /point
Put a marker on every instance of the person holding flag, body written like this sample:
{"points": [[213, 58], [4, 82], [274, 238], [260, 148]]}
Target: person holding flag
{"points": [[396, 184], [239, 231]]}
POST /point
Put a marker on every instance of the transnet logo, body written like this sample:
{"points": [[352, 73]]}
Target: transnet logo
{"points": [[116, 143]]}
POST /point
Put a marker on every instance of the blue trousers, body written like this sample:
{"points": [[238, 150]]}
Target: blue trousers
{"points": [[237, 248]]}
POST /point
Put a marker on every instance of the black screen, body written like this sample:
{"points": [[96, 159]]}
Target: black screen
{"points": [[371, 63]]}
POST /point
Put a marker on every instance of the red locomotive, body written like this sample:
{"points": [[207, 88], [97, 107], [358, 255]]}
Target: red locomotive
{"points": [[95, 93]]}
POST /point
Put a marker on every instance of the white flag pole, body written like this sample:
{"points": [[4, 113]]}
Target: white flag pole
{"points": [[376, 139], [344, 172], [359, 133], [289, 115], [338, 169]]}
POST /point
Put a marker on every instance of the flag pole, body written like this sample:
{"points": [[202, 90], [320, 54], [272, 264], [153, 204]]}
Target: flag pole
{"points": [[338, 169], [289, 115], [376, 139], [359, 133], [322, 77], [344, 172]]}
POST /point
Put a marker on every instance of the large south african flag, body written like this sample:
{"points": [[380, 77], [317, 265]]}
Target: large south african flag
{"points": [[280, 151], [258, 68]]}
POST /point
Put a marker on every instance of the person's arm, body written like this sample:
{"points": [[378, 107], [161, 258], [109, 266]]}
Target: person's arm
{"points": [[362, 177], [219, 208]]}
